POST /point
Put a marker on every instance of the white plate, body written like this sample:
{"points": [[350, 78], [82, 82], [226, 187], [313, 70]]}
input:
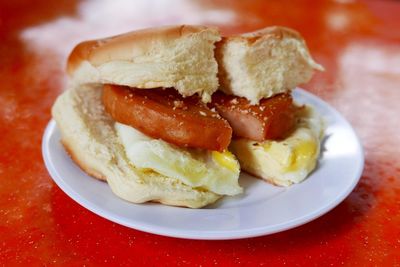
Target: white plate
{"points": [[263, 209]]}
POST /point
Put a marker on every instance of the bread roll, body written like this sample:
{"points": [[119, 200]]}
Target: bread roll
{"points": [[174, 56], [88, 135], [263, 63]]}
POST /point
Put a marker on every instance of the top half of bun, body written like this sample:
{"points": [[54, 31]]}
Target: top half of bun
{"points": [[172, 56], [263, 63], [194, 60]]}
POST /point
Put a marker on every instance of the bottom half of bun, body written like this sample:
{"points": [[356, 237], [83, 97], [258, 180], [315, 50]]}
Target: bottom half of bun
{"points": [[89, 137]]}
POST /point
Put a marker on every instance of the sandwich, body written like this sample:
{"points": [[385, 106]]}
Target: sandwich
{"points": [[135, 115], [167, 114], [274, 138]]}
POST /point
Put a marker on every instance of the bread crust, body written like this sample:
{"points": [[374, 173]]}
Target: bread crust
{"points": [[131, 43], [275, 32], [84, 167]]}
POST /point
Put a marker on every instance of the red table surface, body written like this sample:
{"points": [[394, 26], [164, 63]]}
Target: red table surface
{"points": [[357, 42]]}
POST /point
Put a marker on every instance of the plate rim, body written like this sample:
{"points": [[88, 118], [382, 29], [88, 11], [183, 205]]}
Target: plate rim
{"points": [[206, 234]]}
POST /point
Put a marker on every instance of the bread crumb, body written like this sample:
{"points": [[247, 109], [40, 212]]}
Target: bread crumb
{"points": [[178, 104], [234, 101]]}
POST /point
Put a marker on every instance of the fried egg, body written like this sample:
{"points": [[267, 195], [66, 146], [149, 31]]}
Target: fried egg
{"points": [[286, 161], [215, 171]]}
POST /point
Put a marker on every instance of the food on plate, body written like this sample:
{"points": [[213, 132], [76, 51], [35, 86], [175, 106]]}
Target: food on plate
{"points": [[275, 139], [135, 115], [156, 112]]}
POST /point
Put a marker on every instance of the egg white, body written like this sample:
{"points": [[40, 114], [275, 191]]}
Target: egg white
{"points": [[215, 171], [286, 161]]}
